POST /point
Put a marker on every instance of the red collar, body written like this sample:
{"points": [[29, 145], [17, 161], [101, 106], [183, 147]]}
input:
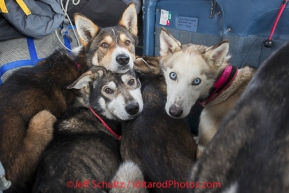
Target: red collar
{"points": [[227, 77], [105, 125], [77, 65]]}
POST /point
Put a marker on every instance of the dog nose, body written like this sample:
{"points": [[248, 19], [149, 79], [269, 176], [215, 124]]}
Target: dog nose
{"points": [[175, 111], [122, 59], [132, 108]]}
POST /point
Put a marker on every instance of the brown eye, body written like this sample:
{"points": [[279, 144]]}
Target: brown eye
{"points": [[127, 43], [104, 45], [108, 90], [131, 82]]}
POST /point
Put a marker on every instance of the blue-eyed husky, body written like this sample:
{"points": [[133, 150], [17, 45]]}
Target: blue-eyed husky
{"points": [[196, 73]]}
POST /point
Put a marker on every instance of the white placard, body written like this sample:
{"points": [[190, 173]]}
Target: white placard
{"points": [[164, 17]]}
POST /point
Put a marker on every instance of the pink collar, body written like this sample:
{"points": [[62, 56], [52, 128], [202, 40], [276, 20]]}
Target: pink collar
{"points": [[227, 77], [105, 125]]}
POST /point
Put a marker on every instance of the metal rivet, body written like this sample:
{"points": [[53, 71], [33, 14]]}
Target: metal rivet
{"points": [[158, 10], [229, 29], [219, 12]]}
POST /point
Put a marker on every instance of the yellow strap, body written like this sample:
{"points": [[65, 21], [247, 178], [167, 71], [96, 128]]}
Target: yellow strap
{"points": [[24, 7], [3, 7]]}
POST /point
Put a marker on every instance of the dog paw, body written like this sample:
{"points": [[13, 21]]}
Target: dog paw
{"points": [[40, 129]]}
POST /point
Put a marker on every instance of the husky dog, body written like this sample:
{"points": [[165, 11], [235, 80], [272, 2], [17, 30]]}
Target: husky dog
{"points": [[30, 101], [86, 148], [163, 147], [249, 153], [198, 73], [111, 47]]}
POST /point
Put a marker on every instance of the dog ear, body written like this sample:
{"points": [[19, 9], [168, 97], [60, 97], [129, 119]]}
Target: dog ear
{"points": [[82, 81], [141, 66], [129, 19], [89, 76], [85, 28], [147, 65], [168, 44], [99, 71], [215, 55]]}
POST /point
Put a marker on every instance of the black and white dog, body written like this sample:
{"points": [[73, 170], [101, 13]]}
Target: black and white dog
{"points": [[85, 153]]}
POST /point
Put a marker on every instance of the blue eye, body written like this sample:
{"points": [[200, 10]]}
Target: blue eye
{"points": [[197, 81], [173, 75]]}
